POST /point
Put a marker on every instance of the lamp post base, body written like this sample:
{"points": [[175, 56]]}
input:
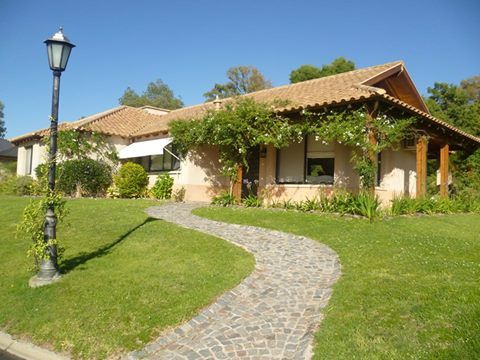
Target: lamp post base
{"points": [[37, 281]]}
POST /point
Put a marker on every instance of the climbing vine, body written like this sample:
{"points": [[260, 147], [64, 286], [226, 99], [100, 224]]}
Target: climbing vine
{"points": [[74, 144], [243, 124], [235, 130], [366, 134], [33, 225]]}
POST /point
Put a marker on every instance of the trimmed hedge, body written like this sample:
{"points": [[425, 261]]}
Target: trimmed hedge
{"points": [[131, 181], [85, 176]]}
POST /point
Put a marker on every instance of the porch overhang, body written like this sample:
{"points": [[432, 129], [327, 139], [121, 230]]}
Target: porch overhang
{"points": [[144, 148]]}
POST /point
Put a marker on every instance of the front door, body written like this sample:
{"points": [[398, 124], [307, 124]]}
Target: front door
{"points": [[250, 176]]}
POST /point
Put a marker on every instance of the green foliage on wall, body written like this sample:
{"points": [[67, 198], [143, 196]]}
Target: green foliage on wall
{"points": [[244, 124]]}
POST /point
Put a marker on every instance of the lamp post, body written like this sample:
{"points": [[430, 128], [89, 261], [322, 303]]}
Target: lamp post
{"points": [[58, 49]]}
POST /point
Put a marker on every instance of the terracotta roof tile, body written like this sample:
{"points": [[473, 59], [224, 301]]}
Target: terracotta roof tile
{"points": [[350, 86], [328, 90], [122, 121]]}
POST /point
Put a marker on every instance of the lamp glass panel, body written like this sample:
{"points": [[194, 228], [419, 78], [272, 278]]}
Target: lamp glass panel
{"points": [[56, 52], [50, 57], [65, 56]]}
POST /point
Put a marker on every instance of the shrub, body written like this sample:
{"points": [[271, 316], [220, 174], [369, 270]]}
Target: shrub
{"points": [[112, 192], [7, 168], [86, 177], [131, 181], [252, 201], [366, 204], [224, 199], [434, 205], [403, 205], [16, 185], [163, 187], [179, 194]]}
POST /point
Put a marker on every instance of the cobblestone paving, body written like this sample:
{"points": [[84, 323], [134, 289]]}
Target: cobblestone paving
{"points": [[272, 314]]}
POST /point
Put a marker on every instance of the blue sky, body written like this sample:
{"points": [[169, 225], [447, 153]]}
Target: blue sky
{"points": [[191, 44]]}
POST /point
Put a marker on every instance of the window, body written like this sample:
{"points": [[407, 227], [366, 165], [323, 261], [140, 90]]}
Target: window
{"points": [[291, 163], [320, 169], [168, 161], [28, 160], [320, 161], [308, 162]]}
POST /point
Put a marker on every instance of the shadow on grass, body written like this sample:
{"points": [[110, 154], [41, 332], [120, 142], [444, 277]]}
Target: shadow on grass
{"points": [[82, 258]]}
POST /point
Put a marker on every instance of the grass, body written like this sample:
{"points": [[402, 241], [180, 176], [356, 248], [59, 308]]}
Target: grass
{"points": [[409, 287], [127, 278]]}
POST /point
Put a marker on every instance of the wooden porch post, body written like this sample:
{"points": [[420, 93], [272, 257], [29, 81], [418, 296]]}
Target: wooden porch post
{"points": [[444, 170], [237, 186], [421, 166]]}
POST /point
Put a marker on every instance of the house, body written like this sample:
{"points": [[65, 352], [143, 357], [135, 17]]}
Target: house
{"points": [[142, 135], [8, 152]]}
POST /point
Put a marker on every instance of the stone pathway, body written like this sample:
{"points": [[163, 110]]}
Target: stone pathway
{"points": [[272, 314]]}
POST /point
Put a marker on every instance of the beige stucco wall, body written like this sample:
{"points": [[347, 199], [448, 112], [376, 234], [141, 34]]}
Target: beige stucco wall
{"points": [[398, 177], [199, 175], [344, 177], [39, 153]]}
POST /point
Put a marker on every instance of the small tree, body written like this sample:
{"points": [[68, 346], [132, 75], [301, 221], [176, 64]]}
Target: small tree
{"points": [[308, 72], [157, 94], [242, 80]]}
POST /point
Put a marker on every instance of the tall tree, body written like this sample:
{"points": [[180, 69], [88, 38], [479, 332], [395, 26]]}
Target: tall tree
{"points": [[308, 72], [157, 94], [242, 80], [472, 87], [459, 105], [3, 129]]}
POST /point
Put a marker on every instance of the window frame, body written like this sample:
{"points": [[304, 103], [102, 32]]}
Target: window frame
{"points": [[379, 170], [305, 165], [28, 160], [175, 160], [320, 155]]}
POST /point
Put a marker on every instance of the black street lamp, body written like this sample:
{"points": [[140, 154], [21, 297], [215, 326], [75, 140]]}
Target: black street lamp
{"points": [[58, 49]]}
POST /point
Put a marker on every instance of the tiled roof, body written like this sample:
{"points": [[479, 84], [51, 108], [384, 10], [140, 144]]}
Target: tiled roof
{"points": [[356, 85], [429, 117], [122, 121], [328, 90]]}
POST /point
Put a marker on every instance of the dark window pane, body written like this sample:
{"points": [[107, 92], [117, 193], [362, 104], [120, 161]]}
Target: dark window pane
{"points": [[156, 163], [167, 160], [175, 163], [320, 170]]}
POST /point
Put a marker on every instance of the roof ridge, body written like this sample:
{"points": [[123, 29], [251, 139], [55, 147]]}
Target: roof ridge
{"points": [[372, 89], [152, 107], [323, 78], [95, 117]]}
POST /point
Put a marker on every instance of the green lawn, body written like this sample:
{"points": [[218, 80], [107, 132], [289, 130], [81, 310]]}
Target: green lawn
{"points": [[128, 277], [410, 287]]}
